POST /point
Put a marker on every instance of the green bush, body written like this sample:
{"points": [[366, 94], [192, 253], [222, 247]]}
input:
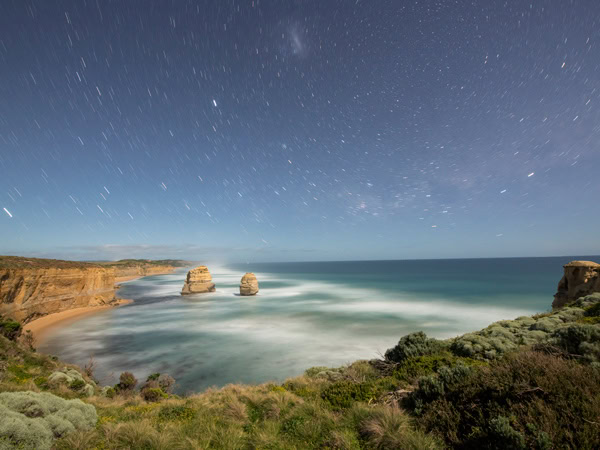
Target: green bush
{"points": [[31, 420], [411, 345], [342, 394], [153, 394], [528, 397], [77, 384], [420, 366], [581, 340], [9, 328], [504, 436], [127, 382]]}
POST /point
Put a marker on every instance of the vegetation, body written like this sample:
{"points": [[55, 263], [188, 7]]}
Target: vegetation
{"points": [[123, 263], [532, 382], [31, 420], [9, 328], [20, 262]]}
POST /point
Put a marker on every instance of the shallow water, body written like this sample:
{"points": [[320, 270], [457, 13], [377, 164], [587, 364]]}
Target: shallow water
{"points": [[306, 314]]}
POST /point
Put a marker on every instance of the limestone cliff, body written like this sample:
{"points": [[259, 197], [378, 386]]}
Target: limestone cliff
{"points": [[122, 273], [198, 281], [33, 287], [26, 294], [580, 278], [249, 284]]}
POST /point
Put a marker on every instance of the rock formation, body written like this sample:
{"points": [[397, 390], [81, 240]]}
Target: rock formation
{"points": [[29, 292], [32, 287], [581, 278], [249, 284], [198, 281]]}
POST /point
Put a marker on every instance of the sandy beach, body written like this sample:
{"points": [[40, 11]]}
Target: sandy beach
{"points": [[40, 328]]}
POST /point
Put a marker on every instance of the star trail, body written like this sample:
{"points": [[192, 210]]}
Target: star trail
{"points": [[300, 130]]}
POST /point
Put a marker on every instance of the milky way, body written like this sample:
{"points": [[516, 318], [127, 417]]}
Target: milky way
{"points": [[301, 130]]}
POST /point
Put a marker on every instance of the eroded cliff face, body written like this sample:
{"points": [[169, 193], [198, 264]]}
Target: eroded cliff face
{"points": [[29, 293], [581, 278], [141, 271]]}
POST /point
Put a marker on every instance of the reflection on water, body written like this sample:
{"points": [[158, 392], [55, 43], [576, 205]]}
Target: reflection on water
{"points": [[301, 318]]}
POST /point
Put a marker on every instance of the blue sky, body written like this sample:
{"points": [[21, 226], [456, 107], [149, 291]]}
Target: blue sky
{"points": [[304, 130]]}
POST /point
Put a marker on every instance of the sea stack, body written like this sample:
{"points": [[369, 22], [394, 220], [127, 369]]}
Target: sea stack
{"points": [[249, 284], [198, 281], [581, 278]]}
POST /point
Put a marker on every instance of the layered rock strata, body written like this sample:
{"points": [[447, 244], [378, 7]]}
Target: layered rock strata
{"points": [[29, 293], [198, 281], [123, 273], [249, 284], [581, 278]]}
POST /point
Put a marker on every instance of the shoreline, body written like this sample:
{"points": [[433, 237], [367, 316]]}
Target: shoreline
{"points": [[42, 327], [119, 280]]}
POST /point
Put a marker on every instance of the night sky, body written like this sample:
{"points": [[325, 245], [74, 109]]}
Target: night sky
{"points": [[299, 130]]}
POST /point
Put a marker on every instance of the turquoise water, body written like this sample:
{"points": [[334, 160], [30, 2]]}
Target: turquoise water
{"points": [[306, 314]]}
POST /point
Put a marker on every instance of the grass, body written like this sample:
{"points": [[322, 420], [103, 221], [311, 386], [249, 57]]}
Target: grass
{"points": [[529, 383]]}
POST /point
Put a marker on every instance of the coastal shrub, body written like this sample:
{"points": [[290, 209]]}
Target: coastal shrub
{"points": [[32, 420], [127, 382], [411, 345], [525, 397], [342, 394], [504, 435], [9, 328], [314, 371], [109, 392], [72, 379], [166, 382], [581, 340], [77, 384], [153, 394], [434, 386], [420, 366]]}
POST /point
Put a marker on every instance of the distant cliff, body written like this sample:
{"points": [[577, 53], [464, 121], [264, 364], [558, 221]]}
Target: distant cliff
{"points": [[31, 287]]}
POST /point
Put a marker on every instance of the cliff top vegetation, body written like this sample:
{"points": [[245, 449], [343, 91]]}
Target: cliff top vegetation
{"points": [[21, 262], [532, 382]]}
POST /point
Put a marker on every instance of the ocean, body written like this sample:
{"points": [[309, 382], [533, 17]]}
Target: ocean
{"points": [[306, 314]]}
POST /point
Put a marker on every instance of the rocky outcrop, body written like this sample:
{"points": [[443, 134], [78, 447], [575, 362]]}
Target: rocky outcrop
{"points": [[29, 293], [581, 278], [249, 284], [198, 281]]}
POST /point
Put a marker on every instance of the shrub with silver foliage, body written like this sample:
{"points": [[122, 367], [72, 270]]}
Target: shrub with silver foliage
{"points": [[71, 378], [32, 420]]}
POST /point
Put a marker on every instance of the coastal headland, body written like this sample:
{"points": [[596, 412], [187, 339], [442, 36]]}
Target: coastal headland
{"points": [[41, 293]]}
